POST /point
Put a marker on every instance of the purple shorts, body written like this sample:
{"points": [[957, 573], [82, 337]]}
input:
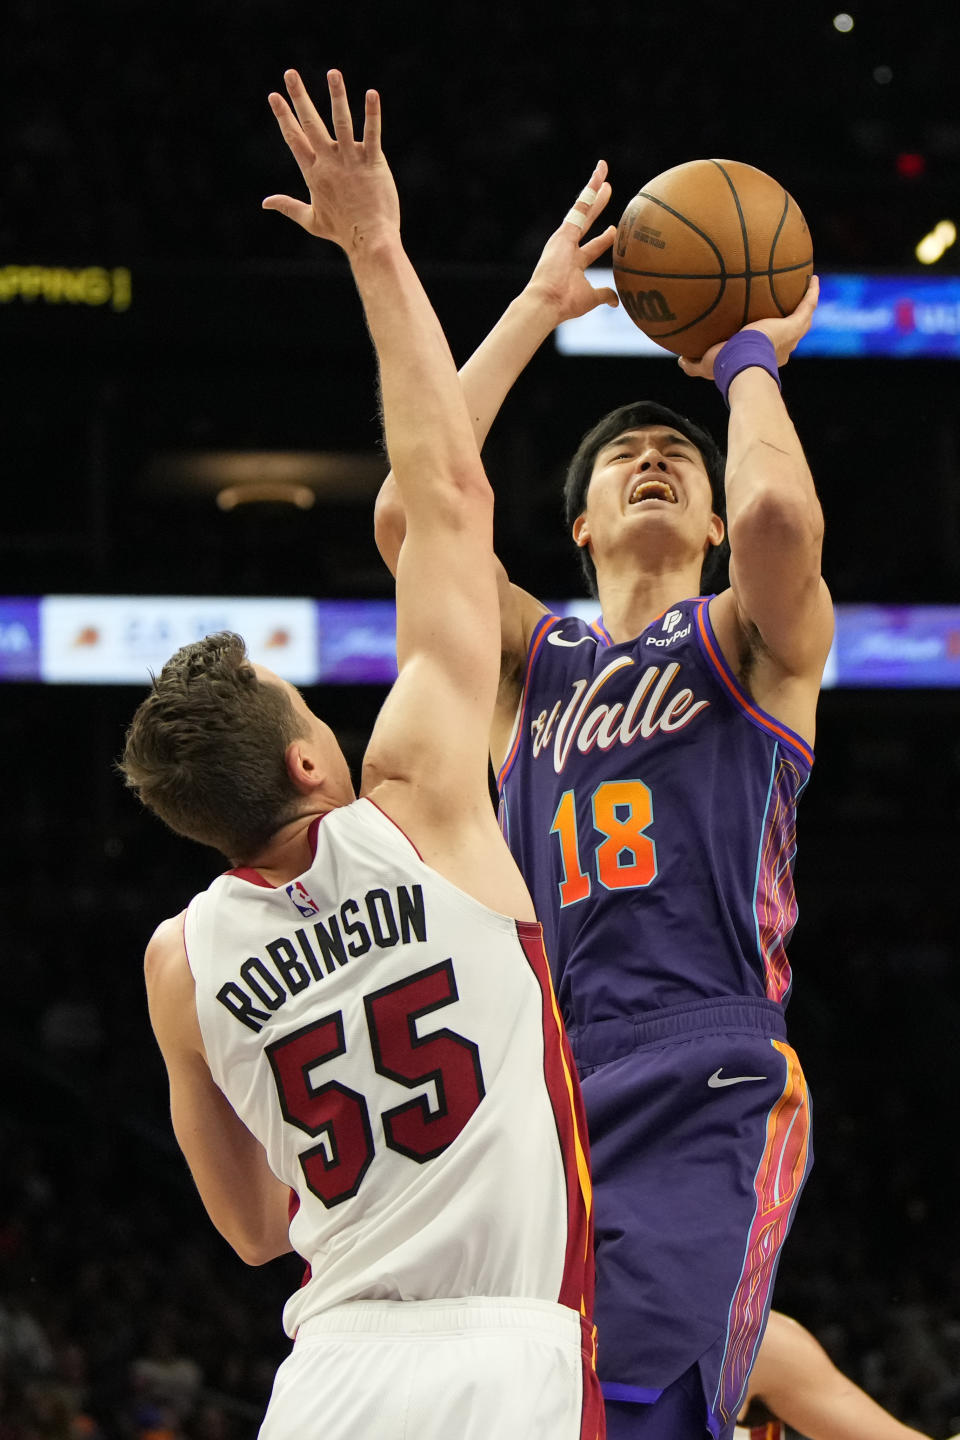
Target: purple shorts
{"points": [[699, 1121]]}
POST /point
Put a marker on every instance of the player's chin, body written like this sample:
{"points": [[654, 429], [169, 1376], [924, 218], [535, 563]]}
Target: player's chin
{"points": [[661, 510]]}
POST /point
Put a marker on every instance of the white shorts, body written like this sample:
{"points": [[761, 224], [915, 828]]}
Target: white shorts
{"points": [[478, 1369]]}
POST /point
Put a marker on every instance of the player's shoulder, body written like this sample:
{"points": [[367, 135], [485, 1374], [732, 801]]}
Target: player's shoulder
{"points": [[171, 991], [166, 950]]}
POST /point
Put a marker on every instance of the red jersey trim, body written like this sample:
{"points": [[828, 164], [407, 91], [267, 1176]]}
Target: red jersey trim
{"points": [[577, 1283], [536, 640], [253, 877], [758, 717], [395, 826]]}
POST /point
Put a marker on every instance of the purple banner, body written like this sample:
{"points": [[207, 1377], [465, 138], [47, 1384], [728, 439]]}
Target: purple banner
{"points": [[893, 646], [103, 640], [356, 642], [19, 639]]}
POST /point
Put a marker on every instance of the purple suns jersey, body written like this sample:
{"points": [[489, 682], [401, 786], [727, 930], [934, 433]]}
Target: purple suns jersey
{"points": [[651, 807]]}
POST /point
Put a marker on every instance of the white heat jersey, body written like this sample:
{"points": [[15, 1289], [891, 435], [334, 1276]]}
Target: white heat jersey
{"points": [[396, 1049]]}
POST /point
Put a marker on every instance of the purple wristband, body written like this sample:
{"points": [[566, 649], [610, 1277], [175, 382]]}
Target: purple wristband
{"points": [[746, 348]]}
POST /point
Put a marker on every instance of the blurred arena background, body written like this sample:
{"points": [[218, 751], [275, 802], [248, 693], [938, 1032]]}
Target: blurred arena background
{"points": [[136, 146]]}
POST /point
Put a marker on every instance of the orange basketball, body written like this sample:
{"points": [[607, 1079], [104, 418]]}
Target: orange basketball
{"points": [[706, 247]]}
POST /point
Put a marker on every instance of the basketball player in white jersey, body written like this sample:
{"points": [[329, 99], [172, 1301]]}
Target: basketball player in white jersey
{"points": [[794, 1382], [366, 1062]]}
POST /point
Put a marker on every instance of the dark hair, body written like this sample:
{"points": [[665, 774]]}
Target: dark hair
{"points": [[205, 750], [641, 415]]}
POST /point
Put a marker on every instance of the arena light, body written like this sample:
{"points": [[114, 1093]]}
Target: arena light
{"points": [[935, 245], [291, 477], [911, 165], [268, 493], [843, 22]]}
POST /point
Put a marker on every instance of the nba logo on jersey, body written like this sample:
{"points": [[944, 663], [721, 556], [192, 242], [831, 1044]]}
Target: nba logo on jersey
{"points": [[671, 620], [301, 898]]}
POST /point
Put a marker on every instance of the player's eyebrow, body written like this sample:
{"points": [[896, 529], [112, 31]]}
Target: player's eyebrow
{"points": [[632, 437]]}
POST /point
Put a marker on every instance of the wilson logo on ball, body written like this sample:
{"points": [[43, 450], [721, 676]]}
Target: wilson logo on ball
{"points": [[648, 306], [647, 236]]}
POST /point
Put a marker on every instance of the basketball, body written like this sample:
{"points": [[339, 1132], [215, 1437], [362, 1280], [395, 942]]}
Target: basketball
{"points": [[707, 247]]}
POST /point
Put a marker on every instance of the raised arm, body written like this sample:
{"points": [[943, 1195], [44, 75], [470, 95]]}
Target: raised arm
{"points": [[432, 733], [776, 621], [799, 1383]]}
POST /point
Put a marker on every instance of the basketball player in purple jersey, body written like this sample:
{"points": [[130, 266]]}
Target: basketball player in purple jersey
{"points": [[366, 1061], [649, 767]]}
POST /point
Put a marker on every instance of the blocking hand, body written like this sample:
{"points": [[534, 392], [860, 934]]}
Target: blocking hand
{"points": [[352, 192], [559, 279]]}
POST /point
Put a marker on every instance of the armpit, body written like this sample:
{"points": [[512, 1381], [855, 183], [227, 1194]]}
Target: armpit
{"points": [[750, 649], [511, 680]]}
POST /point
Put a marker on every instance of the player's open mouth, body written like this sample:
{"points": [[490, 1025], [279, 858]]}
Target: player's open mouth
{"points": [[652, 490]]}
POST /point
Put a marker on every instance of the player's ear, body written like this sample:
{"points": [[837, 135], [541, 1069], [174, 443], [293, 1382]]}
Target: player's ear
{"points": [[717, 530], [581, 531], [303, 767]]}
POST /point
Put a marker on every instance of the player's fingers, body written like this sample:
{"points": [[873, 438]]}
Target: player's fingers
{"points": [[808, 303], [293, 209], [591, 199], [371, 124], [312, 124], [300, 147], [599, 175], [604, 192], [603, 295], [599, 187], [591, 250], [340, 107]]}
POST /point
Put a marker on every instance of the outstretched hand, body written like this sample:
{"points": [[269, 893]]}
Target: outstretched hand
{"points": [[558, 279], [785, 331], [352, 192]]}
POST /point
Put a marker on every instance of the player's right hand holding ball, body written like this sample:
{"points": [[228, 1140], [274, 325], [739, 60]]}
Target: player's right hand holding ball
{"points": [[785, 332]]}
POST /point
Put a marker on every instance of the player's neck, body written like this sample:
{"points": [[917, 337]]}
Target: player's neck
{"points": [[288, 853], [631, 601]]}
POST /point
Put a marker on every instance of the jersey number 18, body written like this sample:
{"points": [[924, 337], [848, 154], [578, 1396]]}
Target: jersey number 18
{"points": [[626, 857]]}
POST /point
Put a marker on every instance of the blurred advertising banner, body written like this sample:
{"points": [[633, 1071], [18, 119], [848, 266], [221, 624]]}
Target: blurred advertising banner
{"points": [[19, 639], [118, 640], [896, 315], [893, 646]]}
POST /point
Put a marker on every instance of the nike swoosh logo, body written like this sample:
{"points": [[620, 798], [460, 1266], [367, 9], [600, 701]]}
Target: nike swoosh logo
{"points": [[716, 1083], [554, 639]]}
